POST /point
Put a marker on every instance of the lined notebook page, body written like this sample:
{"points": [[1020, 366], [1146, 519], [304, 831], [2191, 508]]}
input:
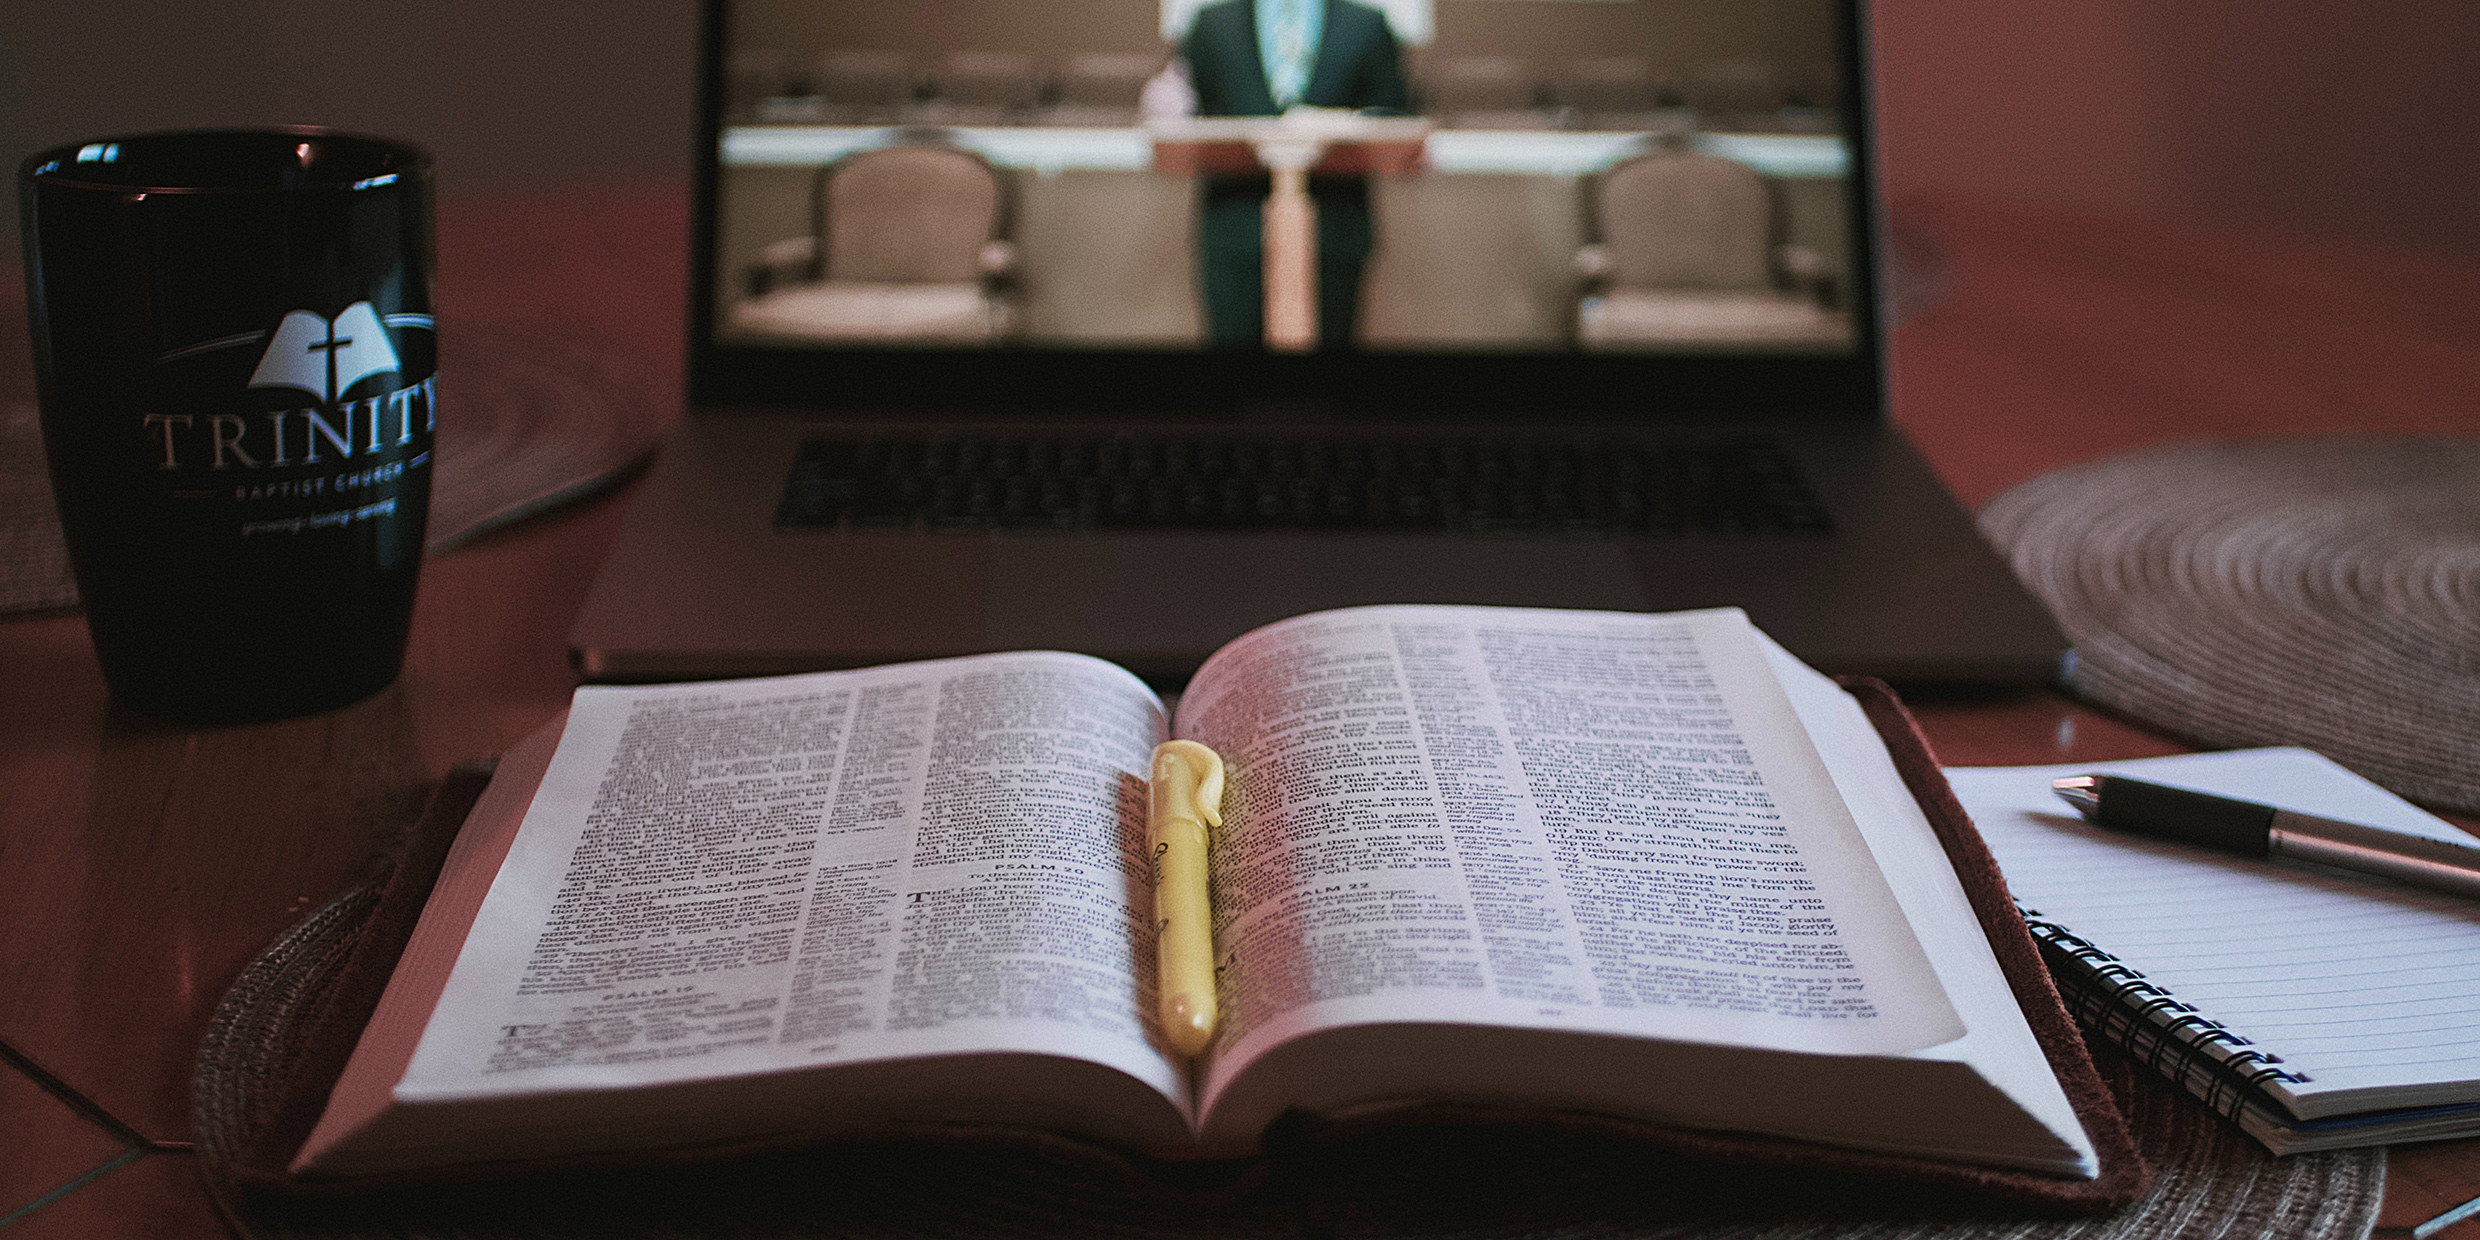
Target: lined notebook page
{"points": [[2356, 984]]}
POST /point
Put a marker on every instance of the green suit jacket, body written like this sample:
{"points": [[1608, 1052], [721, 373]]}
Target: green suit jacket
{"points": [[1357, 67]]}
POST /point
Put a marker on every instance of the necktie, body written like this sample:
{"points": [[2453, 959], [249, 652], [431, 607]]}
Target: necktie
{"points": [[1288, 76]]}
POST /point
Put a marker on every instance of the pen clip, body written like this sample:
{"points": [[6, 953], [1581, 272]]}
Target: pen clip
{"points": [[1188, 782]]}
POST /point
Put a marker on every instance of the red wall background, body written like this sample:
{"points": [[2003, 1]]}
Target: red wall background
{"points": [[2358, 120]]}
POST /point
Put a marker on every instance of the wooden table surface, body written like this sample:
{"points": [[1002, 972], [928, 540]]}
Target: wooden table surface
{"points": [[141, 864]]}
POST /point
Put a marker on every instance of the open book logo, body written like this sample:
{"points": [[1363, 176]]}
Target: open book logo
{"points": [[325, 358]]}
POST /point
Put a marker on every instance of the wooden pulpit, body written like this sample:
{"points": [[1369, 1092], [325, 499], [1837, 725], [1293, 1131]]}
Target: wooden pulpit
{"points": [[1332, 141]]}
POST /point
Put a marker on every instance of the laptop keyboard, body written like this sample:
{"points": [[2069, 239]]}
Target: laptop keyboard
{"points": [[1546, 486]]}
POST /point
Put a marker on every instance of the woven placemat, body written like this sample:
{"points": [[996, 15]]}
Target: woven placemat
{"points": [[34, 562], [1447, 1183], [2321, 591], [529, 420]]}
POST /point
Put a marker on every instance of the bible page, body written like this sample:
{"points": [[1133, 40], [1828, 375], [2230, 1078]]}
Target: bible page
{"points": [[751, 876], [1998, 1042], [1582, 821]]}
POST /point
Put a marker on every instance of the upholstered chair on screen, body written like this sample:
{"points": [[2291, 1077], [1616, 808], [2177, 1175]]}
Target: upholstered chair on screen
{"points": [[984, 88], [1688, 258], [866, 87], [908, 246], [1102, 88], [1611, 93], [1485, 92], [1736, 95], [751, 77]]}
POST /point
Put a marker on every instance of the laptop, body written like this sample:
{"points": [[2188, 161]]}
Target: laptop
{"points": [[1004, 336]]}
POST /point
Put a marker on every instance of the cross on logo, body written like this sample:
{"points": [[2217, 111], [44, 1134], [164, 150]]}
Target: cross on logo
{"points": [[325, 358]]}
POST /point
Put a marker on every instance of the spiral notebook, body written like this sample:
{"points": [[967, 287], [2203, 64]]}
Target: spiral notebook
{"points": [[2320, 1010]]}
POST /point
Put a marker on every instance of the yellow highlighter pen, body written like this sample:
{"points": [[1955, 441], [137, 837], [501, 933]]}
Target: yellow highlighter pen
{"points": [[1185, 797]]}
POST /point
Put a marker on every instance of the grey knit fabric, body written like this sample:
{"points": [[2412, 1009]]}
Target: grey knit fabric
{"points": [[2320, 591]]}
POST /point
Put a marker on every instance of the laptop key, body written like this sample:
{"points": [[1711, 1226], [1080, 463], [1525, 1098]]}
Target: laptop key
{"points": [[1572, 487]]}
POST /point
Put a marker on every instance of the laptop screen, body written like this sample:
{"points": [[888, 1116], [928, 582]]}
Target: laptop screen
{"points": [[981, 200]]}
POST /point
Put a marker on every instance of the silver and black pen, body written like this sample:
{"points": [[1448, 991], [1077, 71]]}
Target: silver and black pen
{"points": [[2253, 830]]}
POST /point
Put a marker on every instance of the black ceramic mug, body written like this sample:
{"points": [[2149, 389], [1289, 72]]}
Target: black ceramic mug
{"points": [[234, 352]]}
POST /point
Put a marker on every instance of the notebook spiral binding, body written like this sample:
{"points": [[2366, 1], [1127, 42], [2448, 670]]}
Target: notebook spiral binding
{"points": [[2119, 1005]]}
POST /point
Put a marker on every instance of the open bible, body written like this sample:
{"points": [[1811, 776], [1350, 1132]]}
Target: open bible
{"points": [[1647, 869]]}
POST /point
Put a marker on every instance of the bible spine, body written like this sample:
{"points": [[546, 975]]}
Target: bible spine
{"points": [[2118, 1004]]}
